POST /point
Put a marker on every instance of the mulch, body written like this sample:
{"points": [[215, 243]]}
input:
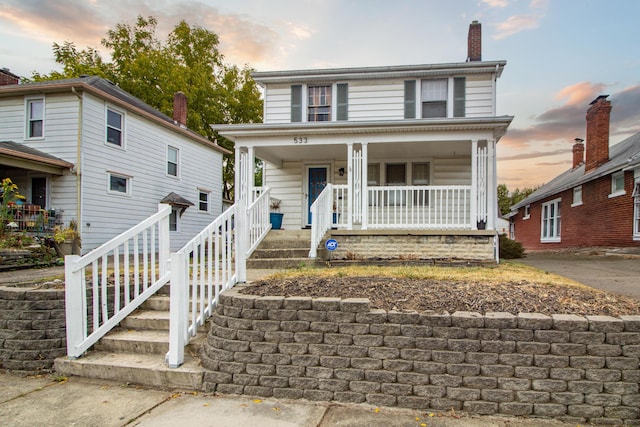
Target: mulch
{"points": [[444, 296]]}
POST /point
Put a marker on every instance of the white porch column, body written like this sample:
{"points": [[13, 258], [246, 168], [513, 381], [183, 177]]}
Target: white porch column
{"points": [[350, 186], [241, 196], [251, 179], [365, 190], [474, 184], [492, 183]]}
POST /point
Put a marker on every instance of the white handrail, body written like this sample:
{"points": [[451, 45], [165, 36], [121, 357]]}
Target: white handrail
{"points": [[94, 309], [321, 218]]}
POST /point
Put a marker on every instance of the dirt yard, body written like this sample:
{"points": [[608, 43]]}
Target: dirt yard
{"points": [[439, 295]]}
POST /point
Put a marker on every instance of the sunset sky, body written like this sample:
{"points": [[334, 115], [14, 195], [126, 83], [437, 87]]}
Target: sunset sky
{"points": [[560, 54]]}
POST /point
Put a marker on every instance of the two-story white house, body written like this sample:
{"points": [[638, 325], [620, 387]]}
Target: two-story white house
{"points": [[396, 151], [84, 150]]}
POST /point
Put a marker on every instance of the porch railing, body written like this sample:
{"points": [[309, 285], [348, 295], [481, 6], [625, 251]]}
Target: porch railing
{"points": [[424, 207], [107, 284], [321, 218], [206, 266]]}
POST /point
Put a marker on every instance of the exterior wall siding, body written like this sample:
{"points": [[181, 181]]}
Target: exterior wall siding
{"points": [[277, 104], [599, 221], [479, 96], [198, 168], [286, 186], [372, 100]]}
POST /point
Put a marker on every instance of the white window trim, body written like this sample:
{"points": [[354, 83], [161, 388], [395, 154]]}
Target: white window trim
{"points": [[178, 168], [553, 239], [573, 205], [619, 192], [636, 208], [527, 212], [177, 212], [27, 121], [208, 192], [123, 144], [129, 179]]}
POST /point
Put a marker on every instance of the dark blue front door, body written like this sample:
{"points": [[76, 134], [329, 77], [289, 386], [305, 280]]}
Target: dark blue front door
{"points": [[317, 182]]}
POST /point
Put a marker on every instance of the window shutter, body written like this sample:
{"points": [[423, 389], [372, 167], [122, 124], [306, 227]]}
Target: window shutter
{"points": [[459, 90], [296, 103], [410, 99], [343, 110]]}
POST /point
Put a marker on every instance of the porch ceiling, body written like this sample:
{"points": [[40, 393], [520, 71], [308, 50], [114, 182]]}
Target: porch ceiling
{"points": [[389, 150], [21, 156]]}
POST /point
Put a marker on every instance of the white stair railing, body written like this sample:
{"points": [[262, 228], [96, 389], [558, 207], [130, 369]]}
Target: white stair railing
{"points": [[205, 267], [321, 218], [123, 273]]}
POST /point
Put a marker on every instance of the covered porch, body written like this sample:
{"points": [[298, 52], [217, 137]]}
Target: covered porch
{"points": [[419, 176]]}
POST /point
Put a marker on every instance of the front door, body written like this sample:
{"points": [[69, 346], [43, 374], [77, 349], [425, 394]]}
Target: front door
{"points": [[39, 191], [316, 181]]}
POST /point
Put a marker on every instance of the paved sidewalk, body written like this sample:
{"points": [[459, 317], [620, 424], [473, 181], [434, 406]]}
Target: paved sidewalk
{"points": [[29, 401]]}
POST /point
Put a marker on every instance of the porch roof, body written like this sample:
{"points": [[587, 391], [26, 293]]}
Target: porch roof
{"points": [[21, 156]]}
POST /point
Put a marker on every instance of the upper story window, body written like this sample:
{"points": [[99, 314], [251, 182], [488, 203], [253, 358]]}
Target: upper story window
{"points": [[636, 211], [434, 98], [527, 212], [35, 118], [577, 196], [319, 103], [617, 184], [437, 98], [115, 127], [173, 155]]}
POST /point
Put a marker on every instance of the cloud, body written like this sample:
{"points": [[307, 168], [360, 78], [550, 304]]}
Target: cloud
{"points": [[557, 127], [515, 24], [299, 31], [495, 3]]}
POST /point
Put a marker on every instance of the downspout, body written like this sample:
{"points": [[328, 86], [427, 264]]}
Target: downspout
{"points": [[78, 162]]}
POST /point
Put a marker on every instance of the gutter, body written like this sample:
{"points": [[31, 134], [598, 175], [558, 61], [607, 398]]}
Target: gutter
{"points": [[77, 168]]}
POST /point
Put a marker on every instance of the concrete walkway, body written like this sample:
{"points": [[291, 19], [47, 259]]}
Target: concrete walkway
{"points": [[615, 271], [29, 401]]}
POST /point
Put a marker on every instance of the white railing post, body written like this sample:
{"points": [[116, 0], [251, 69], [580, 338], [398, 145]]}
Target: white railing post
{"points": [[474, 184], [350, 190], [365, 187], [241, 236], [164, 241], [179, 312], [74, 306]]}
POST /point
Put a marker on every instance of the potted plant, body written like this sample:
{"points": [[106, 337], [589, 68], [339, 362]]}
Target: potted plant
{"points": [[275, 217], [67, 239]]}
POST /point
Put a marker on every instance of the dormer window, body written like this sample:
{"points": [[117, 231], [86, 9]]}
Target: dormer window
{"points": [[319, 103]]}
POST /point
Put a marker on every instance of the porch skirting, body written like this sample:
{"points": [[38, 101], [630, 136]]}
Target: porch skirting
{"points": [[407, 245]]}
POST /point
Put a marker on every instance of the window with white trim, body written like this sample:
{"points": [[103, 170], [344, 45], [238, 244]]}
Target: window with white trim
{"points": [[115, 127], [35, 118], [527, 212], [617, 184], [120, 184], [550, 226], [577, 196], [203, 200], [174, 220], [434, 98], [173, 156], [319, 103], [636, 211], [373, 174]]}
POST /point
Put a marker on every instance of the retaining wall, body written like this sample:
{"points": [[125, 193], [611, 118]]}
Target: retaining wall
{"points": [[568, 367], [32, 328]]}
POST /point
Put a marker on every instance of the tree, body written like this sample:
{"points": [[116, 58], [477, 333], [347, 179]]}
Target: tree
{"points": [[189, 61], [506, 199]]}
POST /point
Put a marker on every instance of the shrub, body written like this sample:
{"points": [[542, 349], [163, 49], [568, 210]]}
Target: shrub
{"points": [[510, 249]]}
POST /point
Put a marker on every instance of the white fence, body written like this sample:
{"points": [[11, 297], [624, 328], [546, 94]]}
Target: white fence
{"points": [[122, 274]]}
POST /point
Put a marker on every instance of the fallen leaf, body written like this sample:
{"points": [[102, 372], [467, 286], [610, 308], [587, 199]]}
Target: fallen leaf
{"points": [[205, 404], [275, 408], [376, 410], [423, 425], [257, 400]]}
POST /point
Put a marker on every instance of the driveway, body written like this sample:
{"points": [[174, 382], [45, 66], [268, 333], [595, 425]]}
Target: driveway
{"points": [[619, 273]]}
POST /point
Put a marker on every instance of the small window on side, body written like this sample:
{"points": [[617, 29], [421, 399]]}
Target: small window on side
{"points": [[119, 184], [617, 184], [115, 126], [527, 212], [577, 196], [203, 201], [35, 118], [172, 161]]}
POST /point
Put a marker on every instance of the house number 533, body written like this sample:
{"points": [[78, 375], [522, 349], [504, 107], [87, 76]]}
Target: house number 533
{"points": [[299, 139]]}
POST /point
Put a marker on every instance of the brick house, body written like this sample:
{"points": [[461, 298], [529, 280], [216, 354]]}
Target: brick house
{"points": [[595, 203]]}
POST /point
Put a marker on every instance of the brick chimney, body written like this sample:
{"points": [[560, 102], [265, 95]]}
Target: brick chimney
{"points": [[474, 42], [578, 152], [180, 108], [597, 133], [8, 78]]}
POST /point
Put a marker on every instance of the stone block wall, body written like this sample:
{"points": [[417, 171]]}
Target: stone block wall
{"points": [[32, 328], [568, 367], [411, 245]]}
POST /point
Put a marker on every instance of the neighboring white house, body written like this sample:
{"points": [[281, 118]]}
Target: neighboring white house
{"points": [[404, 148], [84, 150]]}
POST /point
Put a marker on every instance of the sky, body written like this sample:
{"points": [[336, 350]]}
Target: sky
{"points": [[561, 54]]}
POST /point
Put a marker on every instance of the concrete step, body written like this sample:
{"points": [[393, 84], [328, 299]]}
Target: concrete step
{"points": [[280, 253], [285, 244], [279, 263], [144, 369], [139, 341], [157, 302], [147, 319]]}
